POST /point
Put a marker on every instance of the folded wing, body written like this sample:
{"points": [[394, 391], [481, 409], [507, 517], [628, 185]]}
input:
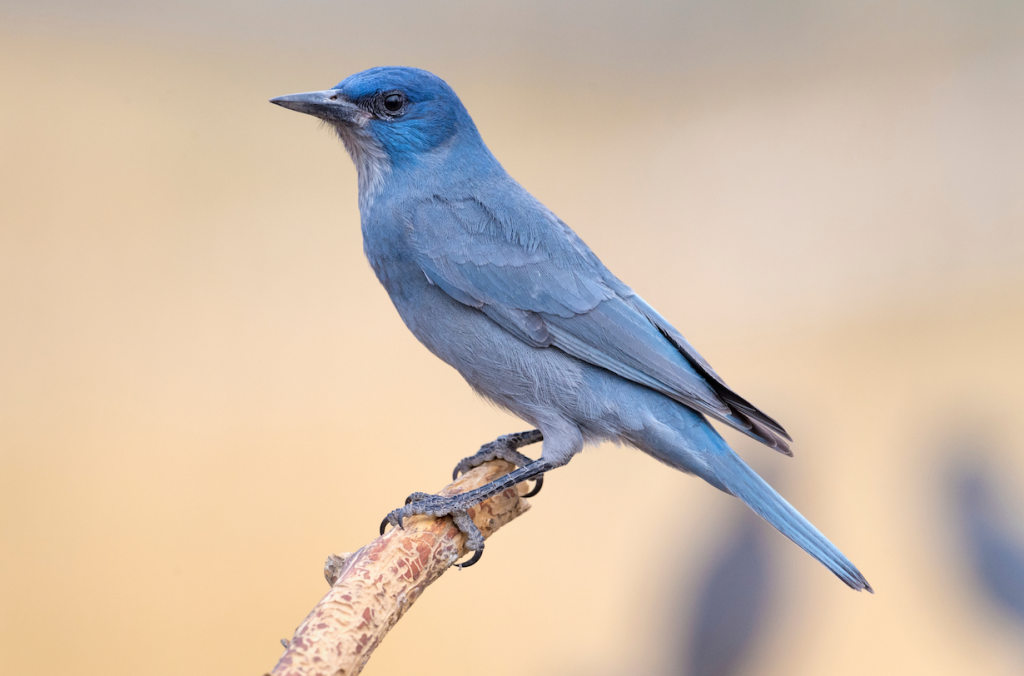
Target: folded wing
{"points": [[532, 275]]}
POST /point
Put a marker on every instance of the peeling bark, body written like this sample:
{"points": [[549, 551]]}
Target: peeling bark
{"points": [[374, 587]]}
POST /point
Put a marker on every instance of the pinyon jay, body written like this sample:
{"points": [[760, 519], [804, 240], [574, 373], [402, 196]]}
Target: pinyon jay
{"points": [[493, 283]]}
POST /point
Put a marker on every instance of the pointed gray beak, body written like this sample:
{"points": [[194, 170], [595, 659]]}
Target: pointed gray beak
{"points": [[330, 105]]}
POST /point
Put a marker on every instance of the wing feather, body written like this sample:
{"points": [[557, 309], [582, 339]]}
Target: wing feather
{"points": [[531, 274]]}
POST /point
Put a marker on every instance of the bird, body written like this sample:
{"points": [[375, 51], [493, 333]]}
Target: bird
{"points": [[493, 283], [731, 609], [995, 553]]}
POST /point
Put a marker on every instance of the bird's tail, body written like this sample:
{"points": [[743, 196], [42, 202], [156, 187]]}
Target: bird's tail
{"points": [[738, 479]]}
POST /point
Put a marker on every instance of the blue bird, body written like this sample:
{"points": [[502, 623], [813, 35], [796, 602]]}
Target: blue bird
{"points": [[732, 606], [994, 551], [494, 284]]}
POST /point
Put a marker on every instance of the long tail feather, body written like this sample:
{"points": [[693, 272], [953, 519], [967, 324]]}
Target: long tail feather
{"points": [[746, 485]]}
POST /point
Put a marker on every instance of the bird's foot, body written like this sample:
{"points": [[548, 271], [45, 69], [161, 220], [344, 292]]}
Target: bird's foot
{"points": [[504, 448], [458, 506]]}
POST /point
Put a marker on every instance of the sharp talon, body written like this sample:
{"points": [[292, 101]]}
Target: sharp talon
{"points": [[408, 500], [394, 518], [536, 487], [476, 557], [455, 474], [284, 642]]}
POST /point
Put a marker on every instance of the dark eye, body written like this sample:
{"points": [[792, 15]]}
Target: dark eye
{"points": [[393, 102]]}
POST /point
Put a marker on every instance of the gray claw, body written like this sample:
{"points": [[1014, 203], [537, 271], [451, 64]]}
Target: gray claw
{"points": [[537, 484], [395, 518], [463, 467], [476, 557], [474, 538]]}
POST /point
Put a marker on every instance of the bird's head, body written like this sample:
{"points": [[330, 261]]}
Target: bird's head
{"points": [[388, 118]]}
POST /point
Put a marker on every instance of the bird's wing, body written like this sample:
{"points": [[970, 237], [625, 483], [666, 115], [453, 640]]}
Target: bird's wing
{"points": [[531, 274]]}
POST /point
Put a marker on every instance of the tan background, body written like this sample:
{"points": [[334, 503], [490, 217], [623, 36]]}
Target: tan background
{"points": [[204, 391]]}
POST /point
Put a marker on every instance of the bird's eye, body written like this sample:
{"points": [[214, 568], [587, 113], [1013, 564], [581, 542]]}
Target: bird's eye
{"points": [[393, 102]]}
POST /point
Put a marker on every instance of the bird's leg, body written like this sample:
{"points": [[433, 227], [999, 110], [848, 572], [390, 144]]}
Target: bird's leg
{"points": [[457, 506], [504, 448]]}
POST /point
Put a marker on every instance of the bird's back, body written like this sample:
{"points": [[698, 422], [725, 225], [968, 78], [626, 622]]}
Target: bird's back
{"points": [[468, 228]]}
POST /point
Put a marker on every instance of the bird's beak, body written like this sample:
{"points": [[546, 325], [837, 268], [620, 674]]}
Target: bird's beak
{"points": [[330, 105]]}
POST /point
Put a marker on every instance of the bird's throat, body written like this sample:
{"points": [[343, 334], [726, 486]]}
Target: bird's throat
{"points": [[372, 164]]}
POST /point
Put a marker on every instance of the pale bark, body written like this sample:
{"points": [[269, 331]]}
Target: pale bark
{"points": [[372, 589]]}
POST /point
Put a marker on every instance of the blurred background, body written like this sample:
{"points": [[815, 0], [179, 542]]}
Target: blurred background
{"points": [[204, 391]]}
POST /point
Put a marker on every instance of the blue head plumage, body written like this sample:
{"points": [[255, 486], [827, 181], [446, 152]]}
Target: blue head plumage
{"points": [[390, 117], [411, 111]]}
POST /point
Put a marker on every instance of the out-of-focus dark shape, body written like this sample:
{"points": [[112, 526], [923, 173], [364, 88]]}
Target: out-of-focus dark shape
{"points": [[994, 551], [732, 605]]}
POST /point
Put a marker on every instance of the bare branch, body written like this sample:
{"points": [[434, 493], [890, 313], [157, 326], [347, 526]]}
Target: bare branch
{"points": [[373, 588]]}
